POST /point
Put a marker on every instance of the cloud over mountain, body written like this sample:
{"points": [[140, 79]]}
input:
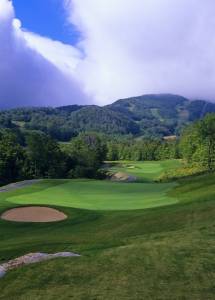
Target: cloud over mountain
{"points": [[146, 46], [126, 48]]}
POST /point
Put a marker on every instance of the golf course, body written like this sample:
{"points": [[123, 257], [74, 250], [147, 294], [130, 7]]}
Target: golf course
{"points": [[107, 150], [136, 240]]}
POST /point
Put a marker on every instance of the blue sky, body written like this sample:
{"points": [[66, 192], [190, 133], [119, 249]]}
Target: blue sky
{"points": [[47, 18]]}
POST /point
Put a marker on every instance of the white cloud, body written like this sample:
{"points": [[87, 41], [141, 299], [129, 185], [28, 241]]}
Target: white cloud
{"points": [[146, 46], [65, 57]]}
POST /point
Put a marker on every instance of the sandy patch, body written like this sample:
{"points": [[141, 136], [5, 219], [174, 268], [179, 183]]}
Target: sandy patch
{"points": [[33, 214]]}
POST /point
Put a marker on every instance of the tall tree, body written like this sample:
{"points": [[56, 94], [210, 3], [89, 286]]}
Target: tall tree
{"points": [[198, 142], [45, 158], [87, 151], [11, 157], [207, 132]]}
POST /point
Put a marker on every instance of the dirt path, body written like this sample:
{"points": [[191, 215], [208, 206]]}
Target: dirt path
{"points": [[18, 185]]}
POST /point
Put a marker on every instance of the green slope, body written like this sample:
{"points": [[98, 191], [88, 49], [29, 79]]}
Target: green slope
{"points": [[161, 253]]}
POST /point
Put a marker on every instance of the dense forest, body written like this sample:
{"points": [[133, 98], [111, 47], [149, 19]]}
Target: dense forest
{"points": [[34, 154], [149, 116], [197, 143]]}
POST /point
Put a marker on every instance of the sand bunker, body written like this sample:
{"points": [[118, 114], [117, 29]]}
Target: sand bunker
{"points": [[33, 214], [123, 177]]}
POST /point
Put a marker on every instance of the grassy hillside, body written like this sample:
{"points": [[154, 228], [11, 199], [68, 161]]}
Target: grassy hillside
{"points": [[161, 253], [149, 115]]}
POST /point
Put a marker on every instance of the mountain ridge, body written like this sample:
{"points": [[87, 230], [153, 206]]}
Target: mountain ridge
{"points": [[152, 115]]}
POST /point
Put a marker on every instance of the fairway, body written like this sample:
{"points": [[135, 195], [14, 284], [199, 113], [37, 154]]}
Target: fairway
{"points": [[144, 171], [96, 195]]}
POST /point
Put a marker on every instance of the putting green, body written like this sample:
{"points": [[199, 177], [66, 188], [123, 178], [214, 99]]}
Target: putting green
{"points": [[95, 195]]}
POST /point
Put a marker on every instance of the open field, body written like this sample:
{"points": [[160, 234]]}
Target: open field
{"points": [[165, 252]]}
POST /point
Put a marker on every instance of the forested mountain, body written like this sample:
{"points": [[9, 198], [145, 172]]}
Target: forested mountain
{"points": [[148, 116], [164, 114]]}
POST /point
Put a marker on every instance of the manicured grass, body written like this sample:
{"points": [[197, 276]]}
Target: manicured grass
{"points": [[96, 195], [144, 171], [161, 253]]}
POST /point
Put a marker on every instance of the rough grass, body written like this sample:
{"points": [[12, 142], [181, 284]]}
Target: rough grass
{"points": [[163, 253]]}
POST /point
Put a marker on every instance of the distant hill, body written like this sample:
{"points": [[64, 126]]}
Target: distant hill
{"points": [[162, 114], [148, 115]]}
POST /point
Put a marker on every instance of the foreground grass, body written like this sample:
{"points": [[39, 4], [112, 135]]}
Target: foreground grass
{"points": [[162, 253]]}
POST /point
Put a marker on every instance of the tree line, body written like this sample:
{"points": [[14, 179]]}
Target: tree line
{"points": [[142, 150], [197, 143], [196, 146], [34, 154]]}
